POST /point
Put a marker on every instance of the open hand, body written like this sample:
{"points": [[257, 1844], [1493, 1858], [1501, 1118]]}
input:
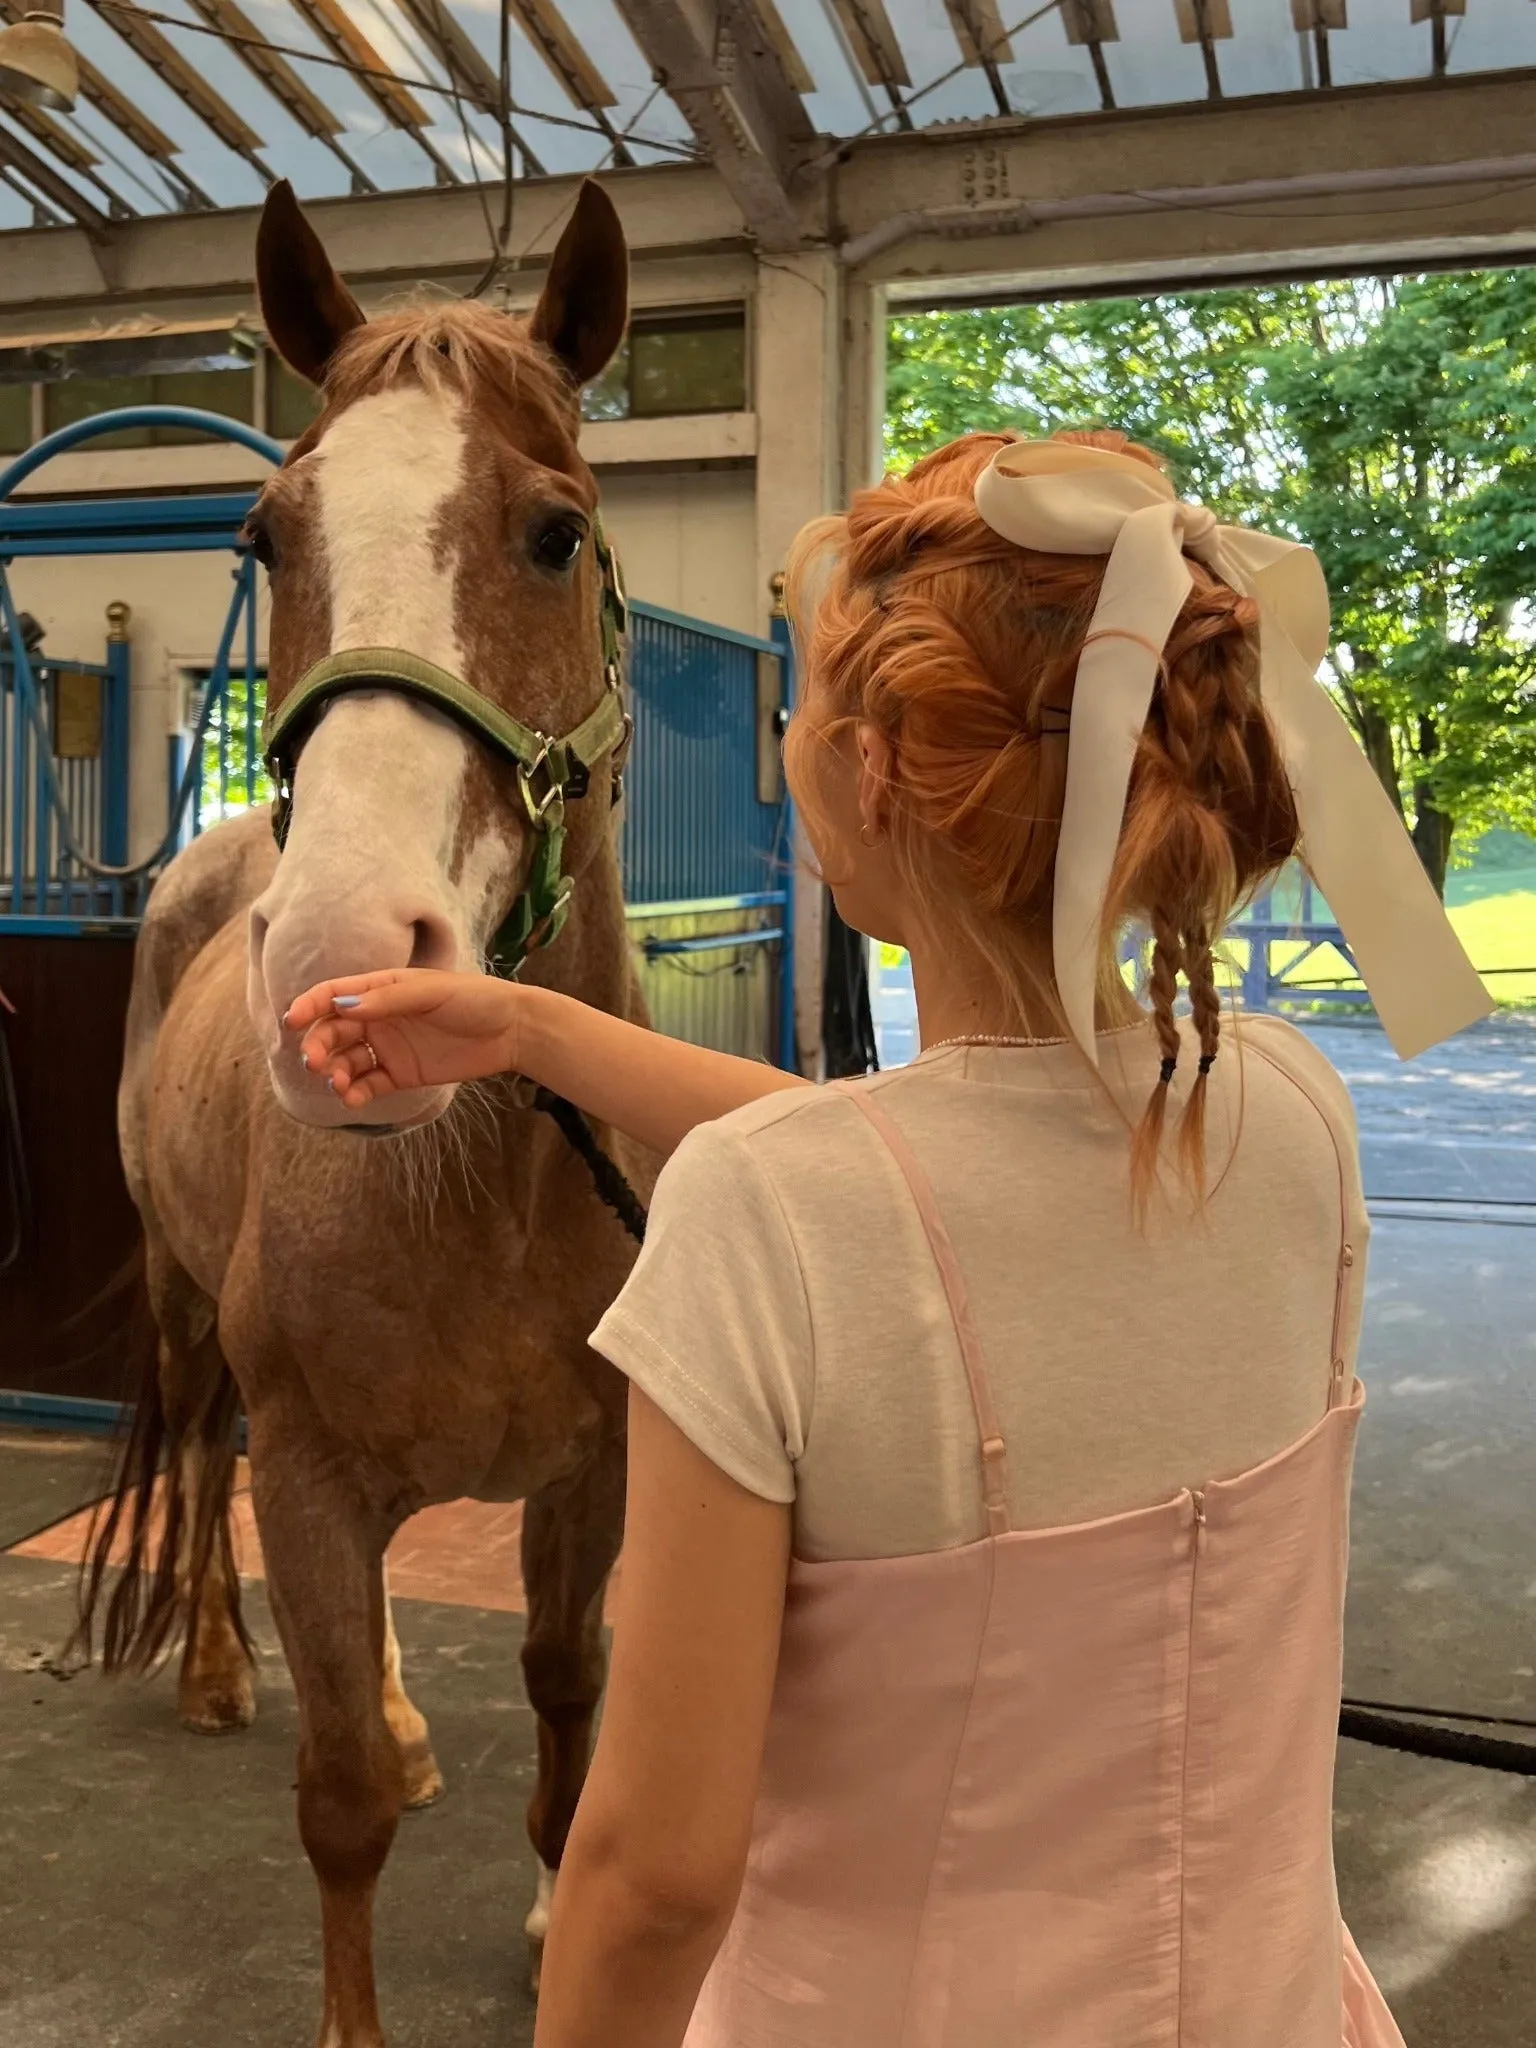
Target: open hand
{"points": [[406, 1027]]}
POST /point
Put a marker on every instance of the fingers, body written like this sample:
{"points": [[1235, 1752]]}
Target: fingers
{"points": [[332, 1035], [355, 1077], [320, 1000]]}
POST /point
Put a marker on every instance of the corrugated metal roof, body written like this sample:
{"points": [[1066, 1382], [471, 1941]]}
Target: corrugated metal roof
{"points": [[188, 104]]}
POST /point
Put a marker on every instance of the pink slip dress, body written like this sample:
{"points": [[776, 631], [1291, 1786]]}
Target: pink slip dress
{"points": [[1066, 1787]]}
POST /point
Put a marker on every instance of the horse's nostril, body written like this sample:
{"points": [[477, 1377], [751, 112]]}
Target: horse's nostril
{"points": [[432, 943]]}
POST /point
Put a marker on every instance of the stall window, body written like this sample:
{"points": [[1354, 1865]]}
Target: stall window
{"points": [[291, 403], [677, 363], [15, 418], [230, 392]]}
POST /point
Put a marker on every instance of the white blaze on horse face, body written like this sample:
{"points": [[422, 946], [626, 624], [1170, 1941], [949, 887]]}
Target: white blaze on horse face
{"points": [[364, 879]]}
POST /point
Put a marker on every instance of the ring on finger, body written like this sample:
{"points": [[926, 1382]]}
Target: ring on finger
{"points": [[373, 1058]]}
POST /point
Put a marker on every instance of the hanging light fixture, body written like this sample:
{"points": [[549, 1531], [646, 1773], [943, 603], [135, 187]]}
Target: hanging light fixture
{"points": [[37, 63]]}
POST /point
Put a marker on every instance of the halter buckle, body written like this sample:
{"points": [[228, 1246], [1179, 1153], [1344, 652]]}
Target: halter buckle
{"points": [[540, 801]]}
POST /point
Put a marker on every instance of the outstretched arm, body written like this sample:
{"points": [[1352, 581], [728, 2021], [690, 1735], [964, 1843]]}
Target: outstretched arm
{"points": [[424, 1028]]}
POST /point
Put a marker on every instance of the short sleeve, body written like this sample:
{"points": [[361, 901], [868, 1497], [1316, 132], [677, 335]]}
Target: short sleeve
{"points": [[713, 1323]]}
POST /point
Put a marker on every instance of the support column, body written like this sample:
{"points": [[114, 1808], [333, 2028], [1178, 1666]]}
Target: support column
{"points": [[798, 390]]}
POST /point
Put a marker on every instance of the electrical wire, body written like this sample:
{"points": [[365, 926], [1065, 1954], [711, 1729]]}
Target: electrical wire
{"points": [[686, 152]]}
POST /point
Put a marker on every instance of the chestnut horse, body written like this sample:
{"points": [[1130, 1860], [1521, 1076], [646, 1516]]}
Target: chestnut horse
{"points": [[399, 1297]]}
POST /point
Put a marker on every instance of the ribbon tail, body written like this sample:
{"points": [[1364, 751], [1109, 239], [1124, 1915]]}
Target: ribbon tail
{"points": [[1144, 588], [1424, 987]]}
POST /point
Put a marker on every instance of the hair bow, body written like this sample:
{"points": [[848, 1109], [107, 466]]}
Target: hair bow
{"points": [[1063, 498]]}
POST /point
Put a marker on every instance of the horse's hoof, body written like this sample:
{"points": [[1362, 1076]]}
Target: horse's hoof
{"points": [[424, 1784], [217, 1706], [536, 1926]]}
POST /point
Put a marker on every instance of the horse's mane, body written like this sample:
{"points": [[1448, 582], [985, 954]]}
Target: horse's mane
{"points": [[452, 344]]}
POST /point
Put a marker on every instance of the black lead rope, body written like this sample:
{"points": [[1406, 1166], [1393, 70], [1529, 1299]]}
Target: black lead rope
{"points": [[609, 1182]]}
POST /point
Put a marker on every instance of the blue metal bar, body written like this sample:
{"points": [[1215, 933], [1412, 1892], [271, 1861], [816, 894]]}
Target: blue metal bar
{"points": [[64, 1412], [198, 540], [30, 927], [711, 942], [115, 755], [703, 628], [188, 418]]}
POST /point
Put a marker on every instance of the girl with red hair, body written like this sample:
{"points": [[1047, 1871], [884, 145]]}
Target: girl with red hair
{"points": [[977, 1667]]}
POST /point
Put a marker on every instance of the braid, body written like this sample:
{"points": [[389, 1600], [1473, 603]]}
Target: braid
{"points": [[1163, 987], [1200, 969]]}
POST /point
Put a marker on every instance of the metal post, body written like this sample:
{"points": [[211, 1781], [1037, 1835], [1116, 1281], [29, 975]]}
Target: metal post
{"points": [[115, 744], [788, 1051], [1256, 971]]}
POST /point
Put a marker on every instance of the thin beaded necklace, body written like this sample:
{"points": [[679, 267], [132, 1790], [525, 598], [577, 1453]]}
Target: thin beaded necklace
{"points": [[993, 1038]]}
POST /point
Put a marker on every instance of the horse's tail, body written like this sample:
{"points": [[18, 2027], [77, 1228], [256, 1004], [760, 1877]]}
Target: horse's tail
{"points": [[166, 1519]]}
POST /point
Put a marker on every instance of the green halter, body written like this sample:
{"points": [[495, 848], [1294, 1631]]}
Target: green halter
{"points": [[548, 770]]}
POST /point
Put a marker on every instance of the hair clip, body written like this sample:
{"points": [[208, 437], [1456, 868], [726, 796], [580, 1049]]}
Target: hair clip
{"points": [[1165, 1071]]}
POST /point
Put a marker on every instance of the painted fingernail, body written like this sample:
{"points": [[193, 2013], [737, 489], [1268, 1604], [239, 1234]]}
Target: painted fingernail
{"points": [[330, 1083], [345, 1002]]}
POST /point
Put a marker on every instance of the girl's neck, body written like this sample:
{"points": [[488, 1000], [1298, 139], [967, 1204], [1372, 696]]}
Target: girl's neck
{"points": [[954, 1004]]}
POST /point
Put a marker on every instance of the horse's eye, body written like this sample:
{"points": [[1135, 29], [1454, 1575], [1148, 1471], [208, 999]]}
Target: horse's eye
{"points": [[558, 545], [256, 538]]}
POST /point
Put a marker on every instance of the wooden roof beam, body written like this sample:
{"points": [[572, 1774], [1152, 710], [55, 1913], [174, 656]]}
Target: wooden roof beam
{"points": [[460, 57], [720, 65], [983, 43], [1092, 23], [400, 107], [122, 114], [870, 36], [312, 114], [1206, 22], [153, 48]]}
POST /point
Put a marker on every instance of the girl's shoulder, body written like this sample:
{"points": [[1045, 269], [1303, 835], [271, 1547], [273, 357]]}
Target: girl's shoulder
{"points": [[1291, 1053]]}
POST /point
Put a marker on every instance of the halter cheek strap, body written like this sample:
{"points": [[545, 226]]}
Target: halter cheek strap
{"points": [[548, 770]]}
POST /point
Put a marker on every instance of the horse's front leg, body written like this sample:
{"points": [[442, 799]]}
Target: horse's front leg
{"points": [[571, 1536], [324, 1552]]}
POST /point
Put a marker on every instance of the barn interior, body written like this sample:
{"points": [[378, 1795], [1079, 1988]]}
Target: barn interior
{"points": [[791, 177]]}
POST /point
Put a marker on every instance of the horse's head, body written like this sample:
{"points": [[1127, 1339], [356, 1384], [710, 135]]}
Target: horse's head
{"points": [[438, 514]]}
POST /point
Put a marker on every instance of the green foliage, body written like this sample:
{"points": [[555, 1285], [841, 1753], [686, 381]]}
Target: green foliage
{"points": [[233, 777], [1390, 423]]}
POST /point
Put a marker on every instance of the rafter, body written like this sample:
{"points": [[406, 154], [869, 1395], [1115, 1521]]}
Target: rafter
{"points": [[979, 31], [1206, 22], [121, 113], [42, 216], [580, 80], [68, 149], [784, 44], [871, 38], [53, 186], [401, 108], [720, 65], [282, 81], [460, 57], [167, 62], [1092, 23]]}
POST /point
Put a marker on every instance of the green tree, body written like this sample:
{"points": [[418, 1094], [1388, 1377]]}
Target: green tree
{"points": [[1390, 423]]}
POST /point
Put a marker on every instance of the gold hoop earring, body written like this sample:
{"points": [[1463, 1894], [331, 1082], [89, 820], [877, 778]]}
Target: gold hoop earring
{"points": [[870, 843]]}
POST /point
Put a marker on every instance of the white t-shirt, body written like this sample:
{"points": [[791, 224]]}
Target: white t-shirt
{"points": [[786, 1313]]}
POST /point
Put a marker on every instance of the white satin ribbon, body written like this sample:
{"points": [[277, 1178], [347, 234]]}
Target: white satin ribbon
{"points": [[1063, 498]]}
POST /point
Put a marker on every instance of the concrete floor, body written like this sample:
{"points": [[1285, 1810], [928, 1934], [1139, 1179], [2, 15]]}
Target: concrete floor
{"points": [[152, 1890]]}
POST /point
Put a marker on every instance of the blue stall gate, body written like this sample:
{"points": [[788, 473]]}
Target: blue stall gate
{"points": [[706, 831]]}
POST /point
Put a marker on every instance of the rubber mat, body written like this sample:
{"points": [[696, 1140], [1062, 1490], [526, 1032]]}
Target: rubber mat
{"points": [[44, 1479]]}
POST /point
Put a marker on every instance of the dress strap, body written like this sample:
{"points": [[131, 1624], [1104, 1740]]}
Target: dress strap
{"points": [[994, 1452]]}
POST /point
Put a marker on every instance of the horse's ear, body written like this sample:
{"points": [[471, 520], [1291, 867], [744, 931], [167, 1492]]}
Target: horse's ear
{"points": [[307, 310], [585, 301]]}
